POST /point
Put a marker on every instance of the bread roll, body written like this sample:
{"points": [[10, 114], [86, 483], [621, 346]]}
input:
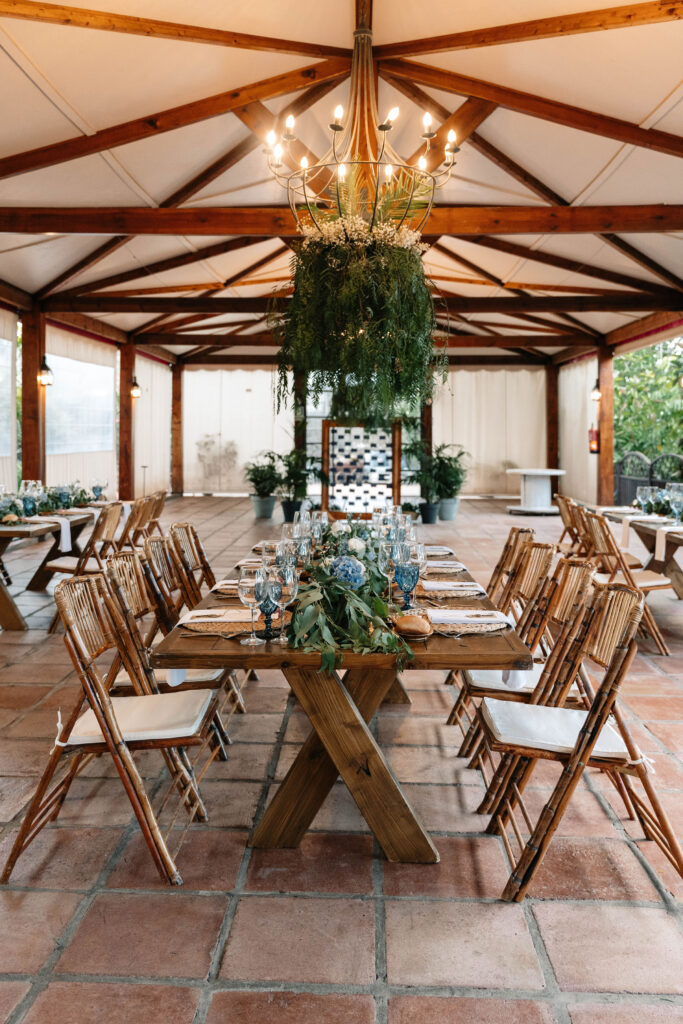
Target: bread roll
{"points": [[413, 625]]}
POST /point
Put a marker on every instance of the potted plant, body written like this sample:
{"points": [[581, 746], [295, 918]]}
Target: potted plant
{"points": [[411, 510], [264, 477], [450, 473], [424, 473], [297, 467]]}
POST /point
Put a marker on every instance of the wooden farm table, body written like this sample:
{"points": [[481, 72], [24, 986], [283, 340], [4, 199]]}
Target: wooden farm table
{"points": [[340, 742], [10, 616], [647, 533]]}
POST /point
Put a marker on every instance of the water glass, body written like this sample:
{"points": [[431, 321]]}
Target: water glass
{"points": [[406, 575], [287, 531], [252, 590], [283, 587]]}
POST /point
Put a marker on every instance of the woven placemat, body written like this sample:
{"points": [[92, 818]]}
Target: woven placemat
{"points": [[231, 628], [463, 629], [428, 573], [440, 594]]}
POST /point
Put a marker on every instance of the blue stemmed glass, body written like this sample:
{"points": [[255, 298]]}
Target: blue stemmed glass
{"points": [[29, 504], [406, 575]]}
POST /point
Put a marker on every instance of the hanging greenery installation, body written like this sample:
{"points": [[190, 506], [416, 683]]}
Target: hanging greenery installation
{"points": [[361, 318]]}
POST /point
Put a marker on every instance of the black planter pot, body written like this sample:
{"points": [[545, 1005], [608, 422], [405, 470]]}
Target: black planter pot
{"points": [[289, 508], [429, 511]]}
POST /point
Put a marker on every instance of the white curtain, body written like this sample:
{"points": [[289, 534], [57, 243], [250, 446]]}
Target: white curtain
{"points": [[8, 391], [152, 426], [228, 419], [577, 414], [498, 416], [80, 416]]}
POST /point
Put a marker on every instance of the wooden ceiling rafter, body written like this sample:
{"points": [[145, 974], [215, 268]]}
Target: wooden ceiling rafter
{"points": [[634, 15], [175, 117], [190, 188], [107, 21], [547, 194], [535, 106]]}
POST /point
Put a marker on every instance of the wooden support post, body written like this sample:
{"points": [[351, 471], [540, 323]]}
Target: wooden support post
{"points": [[32, 397], [126, 407], [177, 429], [552, 419], [426, 421], [606, 427], [299, 414]]}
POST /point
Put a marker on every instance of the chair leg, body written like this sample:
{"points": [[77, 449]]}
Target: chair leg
{"points": [[648, 622], [54, 624]]}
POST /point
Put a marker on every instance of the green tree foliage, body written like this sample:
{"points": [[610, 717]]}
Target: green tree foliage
{"points": [[648, 400]]}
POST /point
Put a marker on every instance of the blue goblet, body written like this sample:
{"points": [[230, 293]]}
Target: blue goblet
{"points": [[29, 504], [406, 575]]}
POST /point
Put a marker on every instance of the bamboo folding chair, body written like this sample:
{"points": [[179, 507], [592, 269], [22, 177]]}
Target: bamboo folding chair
{"points": [[147, 614], [191, 555], [575, 738], [157, 508], [573, 543], [164, 566], [616, 569], [518, 536], [131, 525], [169, 722], [526, 578], [142, 529], [547, 618], [91, 559]]}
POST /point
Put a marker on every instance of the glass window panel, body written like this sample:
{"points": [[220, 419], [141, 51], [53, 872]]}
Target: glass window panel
{"points": [[79, 407], [7, 411]]}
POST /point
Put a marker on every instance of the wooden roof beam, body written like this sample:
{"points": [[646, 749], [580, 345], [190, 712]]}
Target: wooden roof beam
{"points": [[278, 220], [175, 117], [547, 194], [540, 28], [536, 106], [616, 302], [106, 21]]}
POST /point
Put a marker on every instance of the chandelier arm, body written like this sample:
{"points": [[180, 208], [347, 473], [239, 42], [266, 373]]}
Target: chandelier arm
{"points": [[410, 199], [308, 205]]}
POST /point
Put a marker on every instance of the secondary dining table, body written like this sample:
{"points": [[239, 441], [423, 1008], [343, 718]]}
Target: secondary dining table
{"points": [[646, 532], [339, 710], [10, 616]]}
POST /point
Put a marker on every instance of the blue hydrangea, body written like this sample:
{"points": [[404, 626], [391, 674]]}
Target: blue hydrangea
{"points": [[349, 570]]}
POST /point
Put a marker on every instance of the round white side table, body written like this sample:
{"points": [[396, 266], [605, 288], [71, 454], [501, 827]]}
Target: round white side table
{"points": [[536, 496]]}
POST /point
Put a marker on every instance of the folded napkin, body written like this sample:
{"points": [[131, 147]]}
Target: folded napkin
{"points": [[642, 518], [660, 543], [265, 545], [227, 586], [613, 508], [465, 616], [453, 587], [438, 549], [216, 615], [444, 563], [64, 525], [249, 563]]}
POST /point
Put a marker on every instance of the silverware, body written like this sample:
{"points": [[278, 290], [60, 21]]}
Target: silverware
{"points": [[190, 634]]}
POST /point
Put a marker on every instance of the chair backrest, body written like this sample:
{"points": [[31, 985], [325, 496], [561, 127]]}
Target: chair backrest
{"points": [[158, 507], [610, 619], [94, 625], [132, 523], [101, 536], [190, 551], [109, 520], [148, 506], [605, 548], [138, 593], [526, 576], [516, 538], [578, 515], [562, 503], [560, 596]]}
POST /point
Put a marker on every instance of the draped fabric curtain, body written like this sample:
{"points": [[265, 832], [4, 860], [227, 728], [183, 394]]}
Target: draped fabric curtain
{"points": [[8, 405], [577, 414], [152, 427], [229, 419], [498, 416], [80, 409]]}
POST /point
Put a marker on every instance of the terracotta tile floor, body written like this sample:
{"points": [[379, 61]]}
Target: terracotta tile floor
{"points": [[331, 933]]}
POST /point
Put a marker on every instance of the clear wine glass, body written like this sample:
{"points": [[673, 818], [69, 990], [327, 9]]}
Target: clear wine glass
{"points": [[283, 587], [251, 592], [287, 531]]}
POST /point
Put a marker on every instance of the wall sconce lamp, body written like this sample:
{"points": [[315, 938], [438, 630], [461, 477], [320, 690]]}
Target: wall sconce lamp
{"points": [[596, 393], [135, 389], [45, 375]]}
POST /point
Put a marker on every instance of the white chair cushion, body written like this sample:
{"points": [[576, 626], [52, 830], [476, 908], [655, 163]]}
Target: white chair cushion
{"points": [[645, 578], [192, 675], [544, 728], [69, 562], [164, 716], [518, 680]]}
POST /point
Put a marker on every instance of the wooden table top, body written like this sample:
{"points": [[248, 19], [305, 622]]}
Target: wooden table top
{"points": [[649, 527], [18, 530], [485, 651]]}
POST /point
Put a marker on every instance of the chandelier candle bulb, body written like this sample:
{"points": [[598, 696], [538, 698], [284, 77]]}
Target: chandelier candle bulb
{"points": [[304, 163], [277, 153], [341, 171], [427, 121], [422, 163], [271, 139], [388, 171], [338, 114]]}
